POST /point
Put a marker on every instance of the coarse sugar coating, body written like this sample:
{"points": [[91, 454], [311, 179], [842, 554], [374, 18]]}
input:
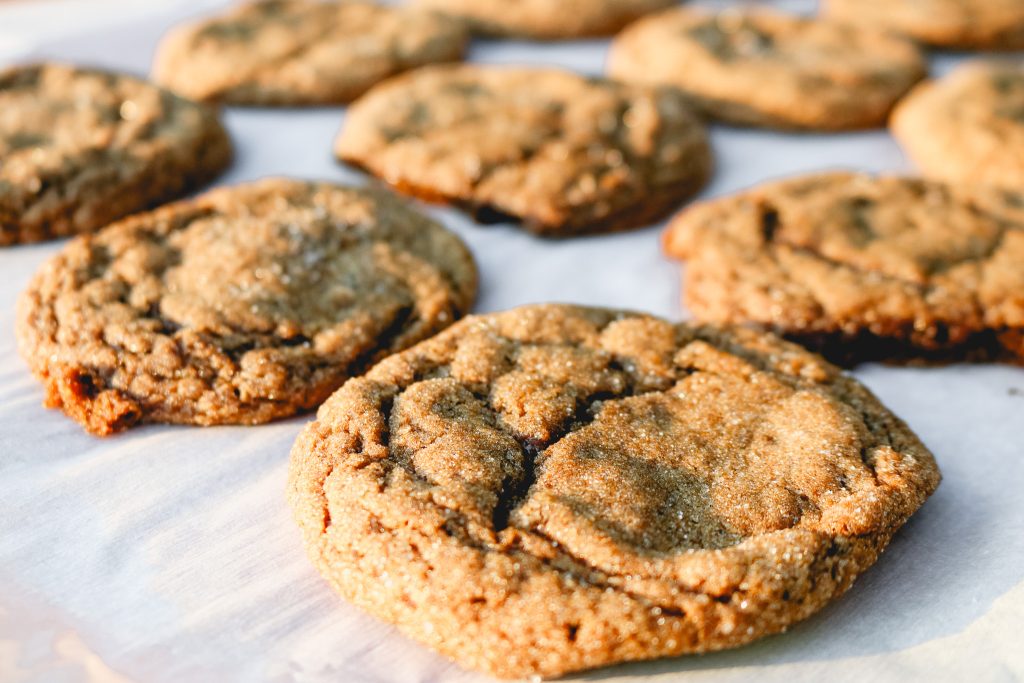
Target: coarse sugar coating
{"points": [[561, 153], [83, 147], [556, 488], [247, 304], [862, 267]]}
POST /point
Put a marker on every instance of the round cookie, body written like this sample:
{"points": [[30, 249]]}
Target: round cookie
{"points": [[302, 52], [761, 68], [863, 268], [967, 127], [561, 153], [546, 19], [557, 488], [985, 24], [80, 148], [247, 304]]}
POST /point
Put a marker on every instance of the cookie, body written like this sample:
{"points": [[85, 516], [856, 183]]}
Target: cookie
{"points": [[863, 268], [985, 24], [967, 127], [561, 153], [247, 304], [302, 52], [80, 148], [544, 19], [761, 68], [557, 488]]}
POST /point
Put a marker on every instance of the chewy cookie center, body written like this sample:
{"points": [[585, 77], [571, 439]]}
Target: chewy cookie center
{"points": [[645, 453], [912, 232], [710, 462], [295, 278]]}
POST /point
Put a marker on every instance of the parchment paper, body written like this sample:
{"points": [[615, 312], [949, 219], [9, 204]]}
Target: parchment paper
{"points": [[168, 553]]}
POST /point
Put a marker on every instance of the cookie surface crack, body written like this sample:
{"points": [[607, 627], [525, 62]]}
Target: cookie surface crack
{"points": [[515, 490]]}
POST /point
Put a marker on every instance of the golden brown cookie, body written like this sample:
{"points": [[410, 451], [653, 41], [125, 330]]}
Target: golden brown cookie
{"points": [[302, 52], [561, 153], [762, 68], [557, 488], [862, 268], [546, 19], [967, 127], [80, 148], [247, 304], [985, 24]]}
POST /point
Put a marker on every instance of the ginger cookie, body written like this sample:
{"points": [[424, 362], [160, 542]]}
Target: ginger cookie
{"points": [[302, 52], [82, 147], [247, 304], [557, 488], [863, 268], [967, 127], [561, 153], [761, 68], [546, 19], [984, 24]]}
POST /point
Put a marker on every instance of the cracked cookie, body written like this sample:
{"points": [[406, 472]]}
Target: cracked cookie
{"points": [[82, 147], [761, 68], [556, 488], [561, 153], [985, 24], [247, 304], [544, 19], [967, 127], [863, 268], [302, 52]]}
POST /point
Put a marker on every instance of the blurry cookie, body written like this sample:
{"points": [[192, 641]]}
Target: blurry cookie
{"points": [[244, 305], [863, 268], [562, 153], [546, 19], [967, 127], [557, 488], [986, 24], [300, 52], [763, 68], [80, 148]]}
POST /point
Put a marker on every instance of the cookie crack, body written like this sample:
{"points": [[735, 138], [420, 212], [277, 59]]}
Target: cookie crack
{"points": [[386, 339], [580, 569], [564, 562], [514, 491]]}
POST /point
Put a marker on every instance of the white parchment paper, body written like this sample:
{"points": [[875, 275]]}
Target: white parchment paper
{"points": [[168, 553]]}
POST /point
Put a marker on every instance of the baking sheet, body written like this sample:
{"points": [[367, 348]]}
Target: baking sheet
{"points": [[168, 553]]}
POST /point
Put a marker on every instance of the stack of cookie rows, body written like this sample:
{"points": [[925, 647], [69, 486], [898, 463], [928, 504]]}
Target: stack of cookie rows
{"points": [[551, 488]]}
